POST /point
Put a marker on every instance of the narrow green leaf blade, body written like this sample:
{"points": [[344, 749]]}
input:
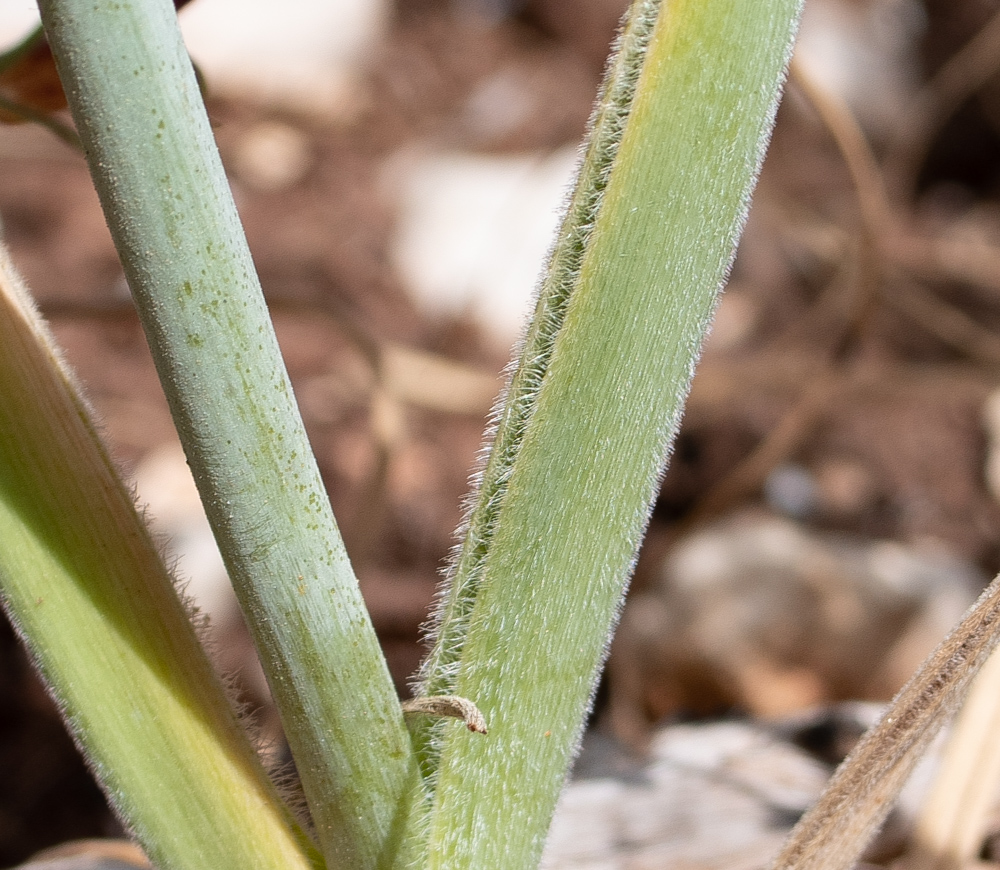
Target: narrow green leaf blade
{"points": [[566, 509], [82, 582]]}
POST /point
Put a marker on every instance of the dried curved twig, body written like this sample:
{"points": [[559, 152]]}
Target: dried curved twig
{"points": [[448, 706]]}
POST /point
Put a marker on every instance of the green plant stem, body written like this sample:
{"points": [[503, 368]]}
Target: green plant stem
{"points": [[137, 108], [84, 586], [593, 407]]}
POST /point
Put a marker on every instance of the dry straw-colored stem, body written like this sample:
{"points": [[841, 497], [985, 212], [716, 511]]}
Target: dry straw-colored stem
{"points": [[952, 824], [860, 794]]}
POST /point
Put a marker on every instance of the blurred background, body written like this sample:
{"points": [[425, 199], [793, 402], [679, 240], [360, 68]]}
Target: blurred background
{"points": [[831, 506]]}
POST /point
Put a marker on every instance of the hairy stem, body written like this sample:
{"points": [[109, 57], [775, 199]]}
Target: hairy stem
{"points": [[137, 106]]}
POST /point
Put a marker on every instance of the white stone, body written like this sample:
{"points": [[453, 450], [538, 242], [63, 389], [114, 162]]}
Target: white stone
{"points": [[864, 53], [719, 795], [474, 231], [19, 18], [301, 54]]}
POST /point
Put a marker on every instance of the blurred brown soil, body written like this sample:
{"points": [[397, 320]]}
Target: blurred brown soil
{"points": [[859, 345]]}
